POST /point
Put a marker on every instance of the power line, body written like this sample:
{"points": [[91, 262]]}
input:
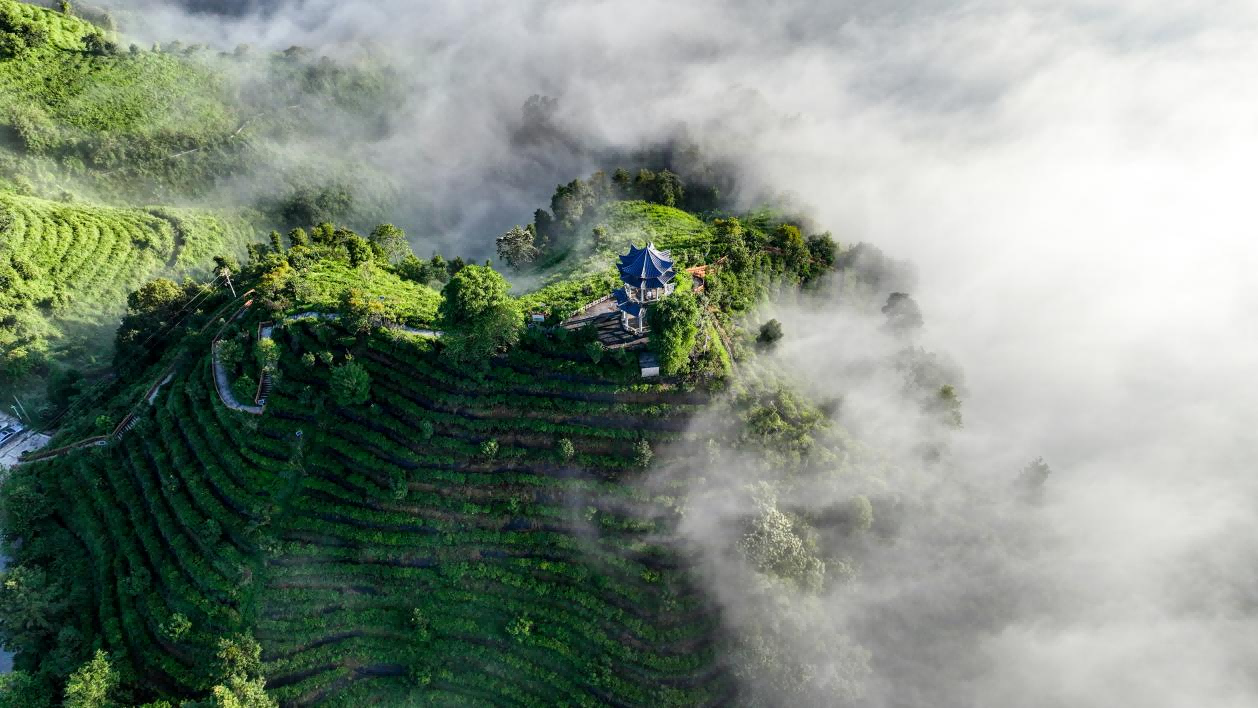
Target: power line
{"points": [[89, 396]]}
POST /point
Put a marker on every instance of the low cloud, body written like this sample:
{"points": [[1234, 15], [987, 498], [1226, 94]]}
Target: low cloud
{"points": [[1072, 181]]}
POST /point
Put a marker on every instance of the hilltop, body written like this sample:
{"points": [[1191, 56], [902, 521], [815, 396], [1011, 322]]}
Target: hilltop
{"points": [[116, 166], [387, 521], [293, 462]]}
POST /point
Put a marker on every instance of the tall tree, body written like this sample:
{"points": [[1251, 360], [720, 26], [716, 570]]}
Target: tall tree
{"points": [[674, 323], [478, 315], [516, 248], [903, 314], [391, 241], [91, 684]]}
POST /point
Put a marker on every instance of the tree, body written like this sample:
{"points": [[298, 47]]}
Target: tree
{"points": [[240, 692], [788, 240], [903, 314], [478, 315], [515, 247], [674, 330], [230, 352], [31, 606], [489, 449], [350, 384], [595, 350], [770, 333], [96, 43], [91, 684], [642, 453], [566, 449], [359, 249], [860, 513], [267, 353], [947, 405], [1031, 480], [823, 250], [520, 628], [177, 626], [772, 546], [360, 312], [19, 689], [391, 241], [240, 666]]}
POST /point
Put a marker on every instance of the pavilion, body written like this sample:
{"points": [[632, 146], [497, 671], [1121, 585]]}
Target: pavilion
{"points": [[647, 274]]}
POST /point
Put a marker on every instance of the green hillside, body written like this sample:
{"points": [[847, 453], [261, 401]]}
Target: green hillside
{"points": [[84, 111], [67, 269], [390, 523]]}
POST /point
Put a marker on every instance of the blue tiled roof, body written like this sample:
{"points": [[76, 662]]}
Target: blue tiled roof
{"points": [[646, 264]]}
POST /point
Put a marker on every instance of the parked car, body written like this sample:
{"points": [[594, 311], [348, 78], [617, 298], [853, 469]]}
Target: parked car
{"points": [[9, 432]]}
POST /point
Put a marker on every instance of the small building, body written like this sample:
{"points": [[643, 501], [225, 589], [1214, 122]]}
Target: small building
{"points": [[647, 274], [649, 365]]}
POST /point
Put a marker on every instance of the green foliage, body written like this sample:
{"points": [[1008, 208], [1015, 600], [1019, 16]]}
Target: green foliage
{"points": [[674, 323], [478, 316], [515, 247], [31, 606], [947, 405], [566, 449], [350, 384], [489, 449], [860, 514], [176, 627], [770, 333], [773, 546], [91, 685], [266, 352], [643, 454], [240, 692], [65, 275], [903, 314], [19, 689], [231, 352], [360, 313], [391, 242], [324, 285], [520, 628]]}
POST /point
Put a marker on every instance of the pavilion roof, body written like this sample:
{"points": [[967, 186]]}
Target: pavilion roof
{"points": [[641, 265]]}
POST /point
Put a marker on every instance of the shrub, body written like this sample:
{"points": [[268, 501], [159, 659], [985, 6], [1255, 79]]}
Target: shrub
{"points": [[642, 454], [91, 684], [176, 627], [489, 449], [478, 315], [674, 330], [520, 628], [566, 449], [770, 333], [350, 384]]}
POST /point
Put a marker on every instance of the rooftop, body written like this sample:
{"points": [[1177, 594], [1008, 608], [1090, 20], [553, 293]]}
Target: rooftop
{"points": [[646, 264]]}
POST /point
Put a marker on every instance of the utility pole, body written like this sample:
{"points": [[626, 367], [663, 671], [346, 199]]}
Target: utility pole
{"points": [[24, 413], [226, 273]]}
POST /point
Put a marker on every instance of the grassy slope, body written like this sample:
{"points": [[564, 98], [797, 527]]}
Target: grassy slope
{"points": [[376, 564], [574, 277], [325, 282], [70, 266], [173, 101]]}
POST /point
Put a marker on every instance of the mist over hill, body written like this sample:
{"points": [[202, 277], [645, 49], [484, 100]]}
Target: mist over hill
{"points": [[1069, 181]]}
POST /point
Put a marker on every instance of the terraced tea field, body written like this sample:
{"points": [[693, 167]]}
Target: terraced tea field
{"points": [[457, 540], [67, 268]]}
